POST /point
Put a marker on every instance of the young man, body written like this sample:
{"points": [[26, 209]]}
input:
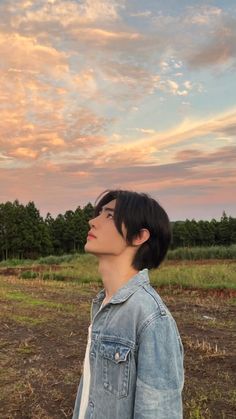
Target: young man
{"points": [[133, 365]]}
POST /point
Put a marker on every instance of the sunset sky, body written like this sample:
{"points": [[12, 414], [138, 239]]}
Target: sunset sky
{"points": [[98, 94]]}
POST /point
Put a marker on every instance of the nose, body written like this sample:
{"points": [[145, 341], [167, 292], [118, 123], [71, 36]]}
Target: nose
{"points": [[92, 222]]}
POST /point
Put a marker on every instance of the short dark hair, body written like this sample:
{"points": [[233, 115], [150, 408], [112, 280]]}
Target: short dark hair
{"points": [[137, 211]]}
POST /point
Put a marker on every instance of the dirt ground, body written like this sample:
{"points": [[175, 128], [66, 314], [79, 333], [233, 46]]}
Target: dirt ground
{"points": [[43, 337]]}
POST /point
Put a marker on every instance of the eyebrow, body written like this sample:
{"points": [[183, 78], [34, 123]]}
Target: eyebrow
{"points": [[107, 209]]}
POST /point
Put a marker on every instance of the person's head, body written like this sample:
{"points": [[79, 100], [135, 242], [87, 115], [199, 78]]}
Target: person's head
{"points": [[137, 218]]}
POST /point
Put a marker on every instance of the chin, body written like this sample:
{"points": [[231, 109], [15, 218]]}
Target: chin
{"points": [[88, 248]]}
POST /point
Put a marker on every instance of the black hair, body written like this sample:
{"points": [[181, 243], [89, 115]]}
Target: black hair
{"points": [[138, 211]]}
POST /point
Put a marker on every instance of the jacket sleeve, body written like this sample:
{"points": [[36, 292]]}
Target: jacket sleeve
{"points": [[78, 400], [160, 373]]}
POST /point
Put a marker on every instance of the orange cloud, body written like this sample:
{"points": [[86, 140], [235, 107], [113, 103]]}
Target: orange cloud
{"points": [[24, 152], [30, 56], [71, 75]]}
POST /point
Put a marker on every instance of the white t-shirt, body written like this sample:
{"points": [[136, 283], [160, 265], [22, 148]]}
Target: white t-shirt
{"points": [[86, 376]]}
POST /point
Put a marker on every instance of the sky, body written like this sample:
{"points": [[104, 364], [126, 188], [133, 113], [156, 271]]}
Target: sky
{"points": [[131, 94]]}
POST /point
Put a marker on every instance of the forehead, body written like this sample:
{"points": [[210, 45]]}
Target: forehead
{"points": [[110, 205]]}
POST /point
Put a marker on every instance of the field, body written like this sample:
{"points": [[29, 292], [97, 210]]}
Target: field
{"points": [[44, 328]]}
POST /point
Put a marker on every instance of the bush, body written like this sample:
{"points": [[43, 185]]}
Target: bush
{"points": [[28, 275], [56, 260], [15, 262], [200, 253], [53, 276]]}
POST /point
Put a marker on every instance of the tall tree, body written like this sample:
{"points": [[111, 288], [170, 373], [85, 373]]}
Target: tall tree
{"points": [[224, 232]]}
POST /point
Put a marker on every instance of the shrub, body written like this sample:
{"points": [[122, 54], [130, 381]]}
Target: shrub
{"points": [[28, 275], [56, 260], [199, 253]]}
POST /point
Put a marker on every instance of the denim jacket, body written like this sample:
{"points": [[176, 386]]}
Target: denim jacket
{"points": [[136, 357]]}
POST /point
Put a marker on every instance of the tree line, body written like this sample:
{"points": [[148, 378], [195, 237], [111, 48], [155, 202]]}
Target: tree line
{"points": [[24, 233], [191, 233]]}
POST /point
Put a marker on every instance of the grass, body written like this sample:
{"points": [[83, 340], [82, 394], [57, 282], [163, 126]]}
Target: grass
{"points": [[204, 347], [83, 269], [196, 276], [181, 254], [27, 301], [197, 406], [185, 276], [203, 253], [26, 350], [40, 364], [27, 320]]}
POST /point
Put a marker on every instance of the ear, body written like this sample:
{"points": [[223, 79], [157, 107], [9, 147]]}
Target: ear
{"points": [[141, 237]]}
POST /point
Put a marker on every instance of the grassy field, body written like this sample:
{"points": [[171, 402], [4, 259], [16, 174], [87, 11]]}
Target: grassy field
{"points": [[209, 273], [44, 329]]}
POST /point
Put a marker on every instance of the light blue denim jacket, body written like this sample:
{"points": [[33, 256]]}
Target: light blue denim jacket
{"points": [[136, 357]]}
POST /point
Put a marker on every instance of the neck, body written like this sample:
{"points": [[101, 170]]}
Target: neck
{"points": [[115, 273]]}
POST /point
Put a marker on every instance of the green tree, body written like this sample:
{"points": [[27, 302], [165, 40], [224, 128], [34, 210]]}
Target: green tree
{"points": [[224, 233], [88, 211], [232, 227], [178, 234], [206, 233], [57, 230]]}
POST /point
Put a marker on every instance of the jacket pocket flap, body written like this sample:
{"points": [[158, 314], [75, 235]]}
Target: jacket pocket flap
{"points": [[114, 351]]}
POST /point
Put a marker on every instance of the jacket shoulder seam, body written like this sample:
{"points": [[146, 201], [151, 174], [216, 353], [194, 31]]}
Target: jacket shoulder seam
{"points": [[162, 312], [147, 323]]}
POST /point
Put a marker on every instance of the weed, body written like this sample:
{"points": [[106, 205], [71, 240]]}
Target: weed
{"points": [[203, 346], [15, 262], [199, 253], [28, 275], [57, 260], [27, 320], [232, 396], [197, 276], [197, 407], [27, 300], [26, 350], [84, 307]]}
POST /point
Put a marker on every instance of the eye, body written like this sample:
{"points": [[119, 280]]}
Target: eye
{"points": [[110, 215]]}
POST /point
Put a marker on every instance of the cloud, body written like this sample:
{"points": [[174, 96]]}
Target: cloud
{"points": [[149, 150], [203, 15], [78, 77], [146, 13], [175, 90], [201, 36], [172, 87], [101, 25], [187, 130], [197, 174], [71, 11], [218, 157], [219, 48], [129, 81], [146, 130], [29, 56]]}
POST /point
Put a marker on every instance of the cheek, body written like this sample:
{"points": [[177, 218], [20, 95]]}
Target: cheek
{"points": [[118, 240]]}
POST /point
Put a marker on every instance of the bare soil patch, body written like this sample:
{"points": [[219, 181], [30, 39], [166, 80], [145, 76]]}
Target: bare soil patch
{"points": [[42, 348]]}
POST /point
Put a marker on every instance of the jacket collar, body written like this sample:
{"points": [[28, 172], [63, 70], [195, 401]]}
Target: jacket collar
{"points": [[127, 290]]}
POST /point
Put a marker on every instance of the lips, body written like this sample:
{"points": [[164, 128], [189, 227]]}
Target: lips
{"points": [[91, 235]]}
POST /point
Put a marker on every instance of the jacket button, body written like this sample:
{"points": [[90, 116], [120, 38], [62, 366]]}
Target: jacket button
{"points": [[117, 356]]}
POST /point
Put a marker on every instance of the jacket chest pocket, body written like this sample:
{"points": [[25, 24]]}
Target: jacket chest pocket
{"points": [[115, 368]]}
